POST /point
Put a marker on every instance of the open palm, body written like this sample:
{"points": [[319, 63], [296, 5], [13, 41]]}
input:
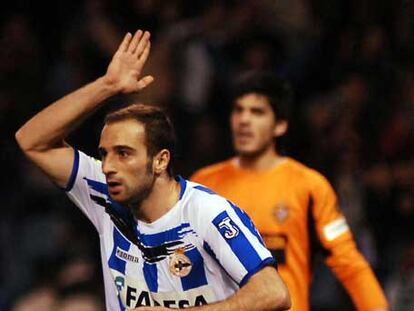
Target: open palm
{"points": [[124, 71]]}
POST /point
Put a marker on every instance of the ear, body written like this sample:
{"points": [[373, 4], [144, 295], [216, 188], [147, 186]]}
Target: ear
{"points": [[281, 128], [160, 161]]}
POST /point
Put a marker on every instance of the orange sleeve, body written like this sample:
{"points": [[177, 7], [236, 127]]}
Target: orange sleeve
{"points": [[343, 257]]}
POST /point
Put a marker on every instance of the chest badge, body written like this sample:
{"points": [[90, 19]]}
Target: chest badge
{"points": [[180, 265], [281, 212]]}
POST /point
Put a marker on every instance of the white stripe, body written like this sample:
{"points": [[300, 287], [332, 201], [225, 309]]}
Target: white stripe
{"points": [[335, 228]]}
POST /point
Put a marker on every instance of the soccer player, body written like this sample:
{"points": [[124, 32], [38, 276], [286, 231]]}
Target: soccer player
{"points": [[293, 206], [165, 242]]}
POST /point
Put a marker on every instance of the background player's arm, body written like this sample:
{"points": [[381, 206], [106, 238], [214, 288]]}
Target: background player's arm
{"points": [[42, 137], [344, 258], [264, 291]]}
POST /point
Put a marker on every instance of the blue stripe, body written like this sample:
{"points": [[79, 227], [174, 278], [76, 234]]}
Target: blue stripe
{"points": [[197, 276], [247, 222], [121, 305], [97, 186], [183, 185], [115, 262], [238, 243], [204, 189], [74, 172], [267, 262], [173, 234], [151, 276]]}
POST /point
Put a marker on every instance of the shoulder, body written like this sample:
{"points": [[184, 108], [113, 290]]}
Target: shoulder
{"points": [[212, 170], [305, 173], [203, 203], [200, 196], [86, 160], [86, 171]]}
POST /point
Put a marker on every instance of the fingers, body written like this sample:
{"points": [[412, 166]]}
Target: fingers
{"points": [[142, 44], [125, 42], [143, 58], [135, 40], [137, 44]]}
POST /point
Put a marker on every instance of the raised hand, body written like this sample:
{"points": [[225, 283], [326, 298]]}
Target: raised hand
{"points": [[124, 71]]}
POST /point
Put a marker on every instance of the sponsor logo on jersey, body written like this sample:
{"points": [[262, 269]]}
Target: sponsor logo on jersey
{"points": [[121, 254], [230, 229], [180, 265], [135, 293], [281, 212]]}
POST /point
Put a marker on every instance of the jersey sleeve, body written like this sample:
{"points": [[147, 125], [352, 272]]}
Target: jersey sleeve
{"points": [[343, 257], [87, 186], [231, 238]]}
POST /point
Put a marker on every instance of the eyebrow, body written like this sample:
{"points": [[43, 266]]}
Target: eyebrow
{"points": [[116, 147]]}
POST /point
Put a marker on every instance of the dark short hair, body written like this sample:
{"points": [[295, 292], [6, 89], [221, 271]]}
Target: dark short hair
{"points": [[277, 90], [159, 131]]}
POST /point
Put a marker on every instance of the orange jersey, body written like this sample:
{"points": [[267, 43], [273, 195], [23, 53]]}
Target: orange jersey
{"points": [[295, 209]]}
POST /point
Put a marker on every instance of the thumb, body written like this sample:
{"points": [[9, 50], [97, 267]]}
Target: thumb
{"points": [[145, 81]]}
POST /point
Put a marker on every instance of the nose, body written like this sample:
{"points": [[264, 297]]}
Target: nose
{"points": [[244, 117], [108, 166]]}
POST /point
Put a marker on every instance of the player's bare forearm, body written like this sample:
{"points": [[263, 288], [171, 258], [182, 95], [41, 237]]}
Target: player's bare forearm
{"points": [[265, 291], [42, 137], [48, 128]]}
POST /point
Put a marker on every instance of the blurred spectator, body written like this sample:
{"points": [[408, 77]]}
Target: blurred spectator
{"points": [[39, 299]]}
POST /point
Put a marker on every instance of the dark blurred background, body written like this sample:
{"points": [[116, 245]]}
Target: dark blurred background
{"points": [[352, 67]]}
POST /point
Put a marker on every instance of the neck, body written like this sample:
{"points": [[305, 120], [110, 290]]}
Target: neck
{"points": [[263, 161], [164, 195]]}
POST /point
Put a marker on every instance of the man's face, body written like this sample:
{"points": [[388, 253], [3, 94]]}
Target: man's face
{"points": [[253, 125], [125, 162]]}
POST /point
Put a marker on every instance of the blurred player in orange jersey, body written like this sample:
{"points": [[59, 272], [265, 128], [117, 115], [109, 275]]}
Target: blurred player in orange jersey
{"points": [[293, 206]]}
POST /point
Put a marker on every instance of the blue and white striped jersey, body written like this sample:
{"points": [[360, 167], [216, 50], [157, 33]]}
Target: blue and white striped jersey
{"points": [[201, 251]]}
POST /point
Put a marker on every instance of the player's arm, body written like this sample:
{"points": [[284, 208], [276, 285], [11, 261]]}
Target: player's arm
{"points": [[264, 291], [42, 137], [343, 257]]}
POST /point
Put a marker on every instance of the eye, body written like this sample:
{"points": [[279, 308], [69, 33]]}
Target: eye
{"points": [[102, 153], [258, 111], [237, 109], [123, 153]]}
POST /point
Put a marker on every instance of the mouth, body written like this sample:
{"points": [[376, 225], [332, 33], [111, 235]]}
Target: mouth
{"points": [[244, 136], [114, 187]]}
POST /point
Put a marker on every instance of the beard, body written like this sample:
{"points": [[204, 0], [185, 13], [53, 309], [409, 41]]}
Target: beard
{"points": [[145, 189]]}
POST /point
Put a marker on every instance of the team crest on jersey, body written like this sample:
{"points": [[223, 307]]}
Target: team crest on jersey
{"points": [[180, 264], [281, 212]]}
